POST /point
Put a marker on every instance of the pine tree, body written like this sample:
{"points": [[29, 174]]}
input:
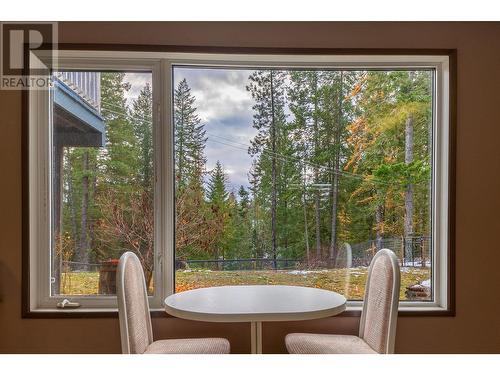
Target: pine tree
{"points": [[190, 137], [191, 211], [257, 218], [142, 117], [267, 88], [217, 192], [218, 199], [244, 204], [317, 101], [304, 96], [337, 149], [239, 226], [125, 181], [121, 156], [79, 174], [92, 175]]}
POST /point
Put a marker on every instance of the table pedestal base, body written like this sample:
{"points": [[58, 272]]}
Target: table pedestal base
{"points": [[256, 337]]}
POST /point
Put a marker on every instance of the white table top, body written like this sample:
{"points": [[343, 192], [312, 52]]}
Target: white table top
{"points": [[250, 303]]}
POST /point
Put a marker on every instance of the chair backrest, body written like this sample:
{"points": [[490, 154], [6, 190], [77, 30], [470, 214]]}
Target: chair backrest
{"points": [[380, 308], [133, 307]]}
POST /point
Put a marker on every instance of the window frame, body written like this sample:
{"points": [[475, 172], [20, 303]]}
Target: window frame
{"points": [[161, 64], [40, 109]]}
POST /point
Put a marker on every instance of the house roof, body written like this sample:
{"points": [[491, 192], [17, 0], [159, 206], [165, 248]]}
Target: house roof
{"points": [[76, 122]]}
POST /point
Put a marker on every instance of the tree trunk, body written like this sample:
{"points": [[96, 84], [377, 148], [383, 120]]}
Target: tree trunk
{"points": [[316, 172], [304, 205], [335, 196], [73, 214], [92, 193], [408, 220], [379, 219], [58, 242], [336, 171], [147, 166], [284, 241], [83, 254], [72, 203], [273, 167], [257, 249], [181, 151], [317, 222]]}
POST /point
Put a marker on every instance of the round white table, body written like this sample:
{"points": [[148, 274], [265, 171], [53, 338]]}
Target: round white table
{"points": [[255, 304]]}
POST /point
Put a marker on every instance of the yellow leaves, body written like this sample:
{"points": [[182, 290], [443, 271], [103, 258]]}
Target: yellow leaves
{"points": [[366, 200], [363, 189], [367, 129], [398, 115], [344, 218], [360, 138], [391, 155], [379, 227], [357, 87]]}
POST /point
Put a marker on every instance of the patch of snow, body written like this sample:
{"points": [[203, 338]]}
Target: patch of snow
{"points": [[351, 271], [426, 283], [305, 272], [417, 263], [356, 273], [409, 269]]}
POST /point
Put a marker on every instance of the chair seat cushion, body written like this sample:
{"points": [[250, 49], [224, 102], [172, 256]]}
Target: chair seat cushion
{"points": [[189, 346], [309, 343]]}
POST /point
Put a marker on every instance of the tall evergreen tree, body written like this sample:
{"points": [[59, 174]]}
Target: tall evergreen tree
{"points": [[267, 88], [122, 154], [304, 95], [142, 117], [217, 192], [218, 199], [239, 243], [189, 142], [190, 137], [79, 214]]}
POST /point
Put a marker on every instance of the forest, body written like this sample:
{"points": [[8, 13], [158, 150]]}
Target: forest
{"points": [[338, 156]]}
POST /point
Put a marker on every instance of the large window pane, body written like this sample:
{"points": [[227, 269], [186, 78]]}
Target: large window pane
{"points": [[299, 177], [102, 196]]}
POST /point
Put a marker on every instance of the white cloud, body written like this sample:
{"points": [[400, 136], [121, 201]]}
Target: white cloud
{"points": [[219, 92], [225, 108], [137, 82]]}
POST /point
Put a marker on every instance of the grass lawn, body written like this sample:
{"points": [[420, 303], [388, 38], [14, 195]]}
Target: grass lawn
{"points": [[349, 282]]}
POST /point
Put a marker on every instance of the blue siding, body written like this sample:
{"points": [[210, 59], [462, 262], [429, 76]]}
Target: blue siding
{"points": [[66, 98]]}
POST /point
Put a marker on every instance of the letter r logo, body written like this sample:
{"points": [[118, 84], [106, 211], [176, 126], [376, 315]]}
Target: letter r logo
{"points": [[18, 40]]}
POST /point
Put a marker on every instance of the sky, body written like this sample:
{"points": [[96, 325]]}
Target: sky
{"points": [[137, 82], [225, 109]]}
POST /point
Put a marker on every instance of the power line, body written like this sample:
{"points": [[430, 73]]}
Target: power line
{"points": [[282, 157], [267, 152]]}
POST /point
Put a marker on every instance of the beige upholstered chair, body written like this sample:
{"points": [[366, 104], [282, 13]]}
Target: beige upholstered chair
{"points": [[377, 330], [135, 320]]}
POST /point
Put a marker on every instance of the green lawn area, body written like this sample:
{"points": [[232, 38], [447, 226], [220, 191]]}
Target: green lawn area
{"points": [[349, 282]]}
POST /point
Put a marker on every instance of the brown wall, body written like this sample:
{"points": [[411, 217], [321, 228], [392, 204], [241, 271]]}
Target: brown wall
{"points": [[476, 326]]}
